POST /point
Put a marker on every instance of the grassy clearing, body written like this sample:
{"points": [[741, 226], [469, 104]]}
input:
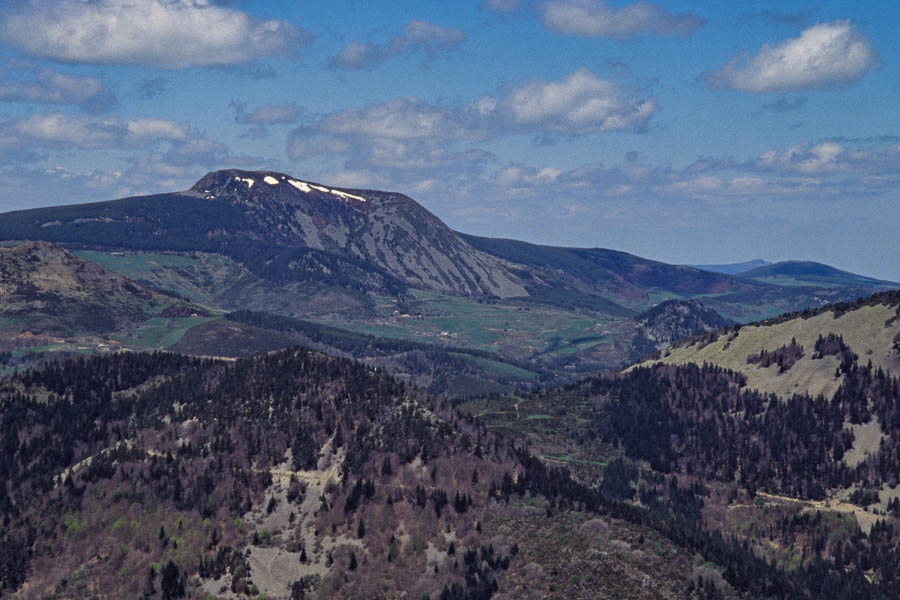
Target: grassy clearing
{"points": [[863, 330], [508, 327], [197, 276], [499, 368]]}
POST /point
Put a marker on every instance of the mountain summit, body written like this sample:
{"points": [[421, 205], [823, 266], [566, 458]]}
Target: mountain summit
{"points": [[327, 246], [388, 230]]}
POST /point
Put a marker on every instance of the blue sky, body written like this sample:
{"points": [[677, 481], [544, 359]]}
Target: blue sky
{"points": [[689, 132]]}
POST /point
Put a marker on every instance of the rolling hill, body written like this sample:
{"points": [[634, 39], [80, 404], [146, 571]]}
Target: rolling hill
{"points": [[159, 476], [734, 268], [45, 289], [786, 430], [868, 329], [813, 274]]}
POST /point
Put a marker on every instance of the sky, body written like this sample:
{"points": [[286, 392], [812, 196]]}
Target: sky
{"points": [[688, 132]]}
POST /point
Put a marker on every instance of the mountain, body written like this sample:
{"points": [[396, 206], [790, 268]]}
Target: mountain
{"points": [[45, 289], [802, 352], [812, 274], [734, 268], [379, 264], [297, 475], [609, 272], [670, 322], [362, 241], [785, 431], [280, 227]]}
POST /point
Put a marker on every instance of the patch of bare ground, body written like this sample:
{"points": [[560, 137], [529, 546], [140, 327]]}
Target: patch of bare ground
{"points": [[286, 542], [866, 440], [577, 555]]}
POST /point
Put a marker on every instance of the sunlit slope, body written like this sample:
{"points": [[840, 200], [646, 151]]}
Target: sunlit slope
{"points": [[868, 330]]}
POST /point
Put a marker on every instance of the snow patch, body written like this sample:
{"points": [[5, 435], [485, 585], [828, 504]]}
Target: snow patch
{"points": [[347, 196], [270, 180], [308, 187], [248, 181], [300, 185]]}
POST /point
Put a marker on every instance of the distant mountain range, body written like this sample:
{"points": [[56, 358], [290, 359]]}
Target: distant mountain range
{"points": [[380, 264], [734, 268], [813, 274]]}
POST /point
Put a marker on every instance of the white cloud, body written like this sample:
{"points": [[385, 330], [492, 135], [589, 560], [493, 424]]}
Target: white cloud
{"points": [[359, 55], [595, 18], [169, 34], [418, 36], [824, 56], [51, 87], [577, 104], [502, 6], [828, 156], [176, 143], [427, 37], [516, 176], [285, 113], [61, 130], [404, 118], [156, 129]]}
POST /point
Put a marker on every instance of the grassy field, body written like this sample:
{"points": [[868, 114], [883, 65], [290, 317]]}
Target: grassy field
{"points": [[511, 328], [197, 276], [865, 331], [158, 332]]}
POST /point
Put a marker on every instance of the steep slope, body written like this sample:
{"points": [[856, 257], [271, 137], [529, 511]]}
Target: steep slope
{"points": [[813, 274], [802, 359], [46, 289]]}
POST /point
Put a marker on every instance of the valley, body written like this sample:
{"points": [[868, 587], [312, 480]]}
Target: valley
{"points": [[277, 408]]}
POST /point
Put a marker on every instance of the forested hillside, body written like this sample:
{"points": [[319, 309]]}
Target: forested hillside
{"points": [[297, 475]]}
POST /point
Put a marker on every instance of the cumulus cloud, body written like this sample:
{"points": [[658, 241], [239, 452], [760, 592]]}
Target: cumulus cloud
{"points": [[51, 87], [59, 131], [156, 129], [824, 56], [416, 141], [577, 104], [595, 18], [405, 118], [168, 34], [824, 157], [359, 55], [417, 37]]}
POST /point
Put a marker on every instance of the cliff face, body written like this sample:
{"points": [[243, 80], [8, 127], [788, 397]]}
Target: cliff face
{"points": [[388, 230]]}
